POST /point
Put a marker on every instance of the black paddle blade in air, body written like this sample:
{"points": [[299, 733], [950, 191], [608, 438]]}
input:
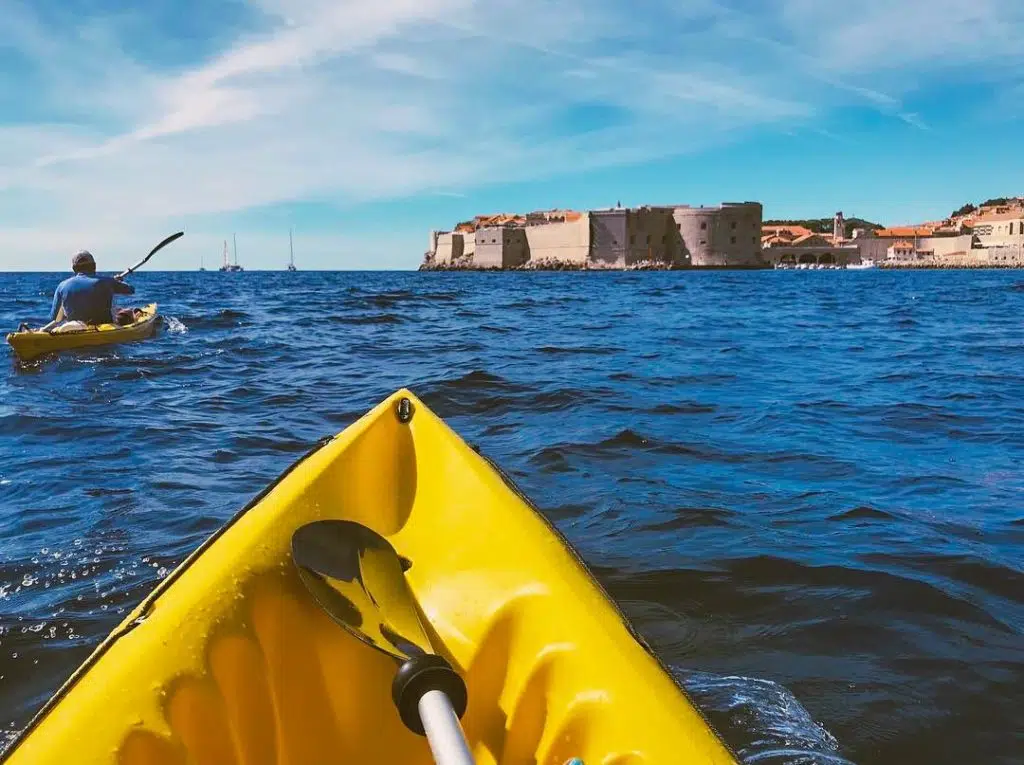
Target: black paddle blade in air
{"points": [[166, 242], [357, 578], [152, 252]]}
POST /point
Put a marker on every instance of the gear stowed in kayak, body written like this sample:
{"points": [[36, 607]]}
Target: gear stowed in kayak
{"points": [[28, 344]]}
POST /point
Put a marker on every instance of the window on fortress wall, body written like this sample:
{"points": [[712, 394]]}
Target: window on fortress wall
{"points": [[679, 227], [703, 225], [732, 240], [703, 241], [734, 224]]}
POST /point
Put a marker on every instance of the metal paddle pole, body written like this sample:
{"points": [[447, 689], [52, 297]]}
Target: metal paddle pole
{"points": [[357, 577], [443, 730]]}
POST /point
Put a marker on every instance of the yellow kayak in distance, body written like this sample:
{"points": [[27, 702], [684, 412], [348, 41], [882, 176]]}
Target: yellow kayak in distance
{"points": [[29, 344], [231, 661]]}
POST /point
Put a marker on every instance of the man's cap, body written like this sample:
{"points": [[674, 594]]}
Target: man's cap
{"points": [[82, 257]]}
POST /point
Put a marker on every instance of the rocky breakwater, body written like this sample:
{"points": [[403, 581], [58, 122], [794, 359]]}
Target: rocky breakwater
{"points": [[549, 264]]}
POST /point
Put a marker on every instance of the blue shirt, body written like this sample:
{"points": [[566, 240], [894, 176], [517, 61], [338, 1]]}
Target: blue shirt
{"points": [[88, 298]]}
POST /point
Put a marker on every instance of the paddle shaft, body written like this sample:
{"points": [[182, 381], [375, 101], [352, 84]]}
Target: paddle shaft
{"points": [[444, 733]]}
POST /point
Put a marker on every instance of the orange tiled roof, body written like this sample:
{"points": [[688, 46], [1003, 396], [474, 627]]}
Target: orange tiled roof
{"points": [[804, 237], [793, 231], [897, 231]]}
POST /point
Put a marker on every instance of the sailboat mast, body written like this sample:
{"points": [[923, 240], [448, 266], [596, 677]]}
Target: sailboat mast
{"points": [[291, 250]]}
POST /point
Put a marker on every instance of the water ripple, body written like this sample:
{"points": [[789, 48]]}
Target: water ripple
{"points": [[805, 489]]}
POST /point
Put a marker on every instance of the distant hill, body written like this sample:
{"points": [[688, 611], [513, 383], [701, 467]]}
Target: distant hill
{"points": [[824, 225], [971, 207]]}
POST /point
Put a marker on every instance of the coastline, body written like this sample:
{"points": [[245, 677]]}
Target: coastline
{"points": [[949, 265], [919, 265], [588, 266]]}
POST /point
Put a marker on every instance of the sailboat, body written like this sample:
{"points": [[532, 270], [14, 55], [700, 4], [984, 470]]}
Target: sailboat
{"points": [[231, 266], [201, 266], [291, 252]]}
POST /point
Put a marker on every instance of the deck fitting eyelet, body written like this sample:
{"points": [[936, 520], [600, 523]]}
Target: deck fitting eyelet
{"points": [[404, 410]]}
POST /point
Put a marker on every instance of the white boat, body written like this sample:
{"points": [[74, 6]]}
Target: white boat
{"points": [[864, 264], [231, 266]]}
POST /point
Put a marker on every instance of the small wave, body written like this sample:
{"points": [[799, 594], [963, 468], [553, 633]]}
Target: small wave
{"points": [[382, 318], [693, 517], [107, 492], [223, 319], [176, 326], [395, 298], [689, 407], [578, 350], [479, 392], [627, 442], [762, 719], [862, 513]]}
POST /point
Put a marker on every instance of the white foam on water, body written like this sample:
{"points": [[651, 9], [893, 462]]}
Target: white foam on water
{"points": [[176, 326], [774, 725]]}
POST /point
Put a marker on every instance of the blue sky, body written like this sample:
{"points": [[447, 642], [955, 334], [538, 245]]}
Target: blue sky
{"points": [[364, 123]]}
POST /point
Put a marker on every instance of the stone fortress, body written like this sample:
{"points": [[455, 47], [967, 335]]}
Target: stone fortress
{"points": [[679, 236], [730, 235]]}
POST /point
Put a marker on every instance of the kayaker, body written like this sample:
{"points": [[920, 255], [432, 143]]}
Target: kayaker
{"points": [[86, 297]]}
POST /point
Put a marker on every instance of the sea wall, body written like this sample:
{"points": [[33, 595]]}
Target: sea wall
{"points": [[876, 248], [449, 248], [567, 242], [500, 247], [991, 257], [653, 237]]}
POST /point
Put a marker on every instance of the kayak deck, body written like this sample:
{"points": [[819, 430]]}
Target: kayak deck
{"points": [[30, 344], [230, 661]]}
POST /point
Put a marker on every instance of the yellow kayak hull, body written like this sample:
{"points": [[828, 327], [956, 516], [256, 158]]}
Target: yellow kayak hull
{"points": [[30, 344], [230, 661]]}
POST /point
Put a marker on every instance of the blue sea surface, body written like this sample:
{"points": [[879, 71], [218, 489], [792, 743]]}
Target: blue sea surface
{"points": [[805, 488]]}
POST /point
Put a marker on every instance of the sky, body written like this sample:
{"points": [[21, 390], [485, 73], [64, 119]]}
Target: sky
{"points": [[363, 124]]}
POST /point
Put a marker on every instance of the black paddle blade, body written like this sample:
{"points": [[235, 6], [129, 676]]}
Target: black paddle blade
{"points": [[357, 578], [152, 252], [166, 242]]}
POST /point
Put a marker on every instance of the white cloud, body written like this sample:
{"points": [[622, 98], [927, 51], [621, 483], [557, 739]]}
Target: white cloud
{"points": [[375, 99]]}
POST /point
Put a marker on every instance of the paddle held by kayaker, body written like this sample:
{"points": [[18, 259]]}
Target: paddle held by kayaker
{"points": [[86, 297]]}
